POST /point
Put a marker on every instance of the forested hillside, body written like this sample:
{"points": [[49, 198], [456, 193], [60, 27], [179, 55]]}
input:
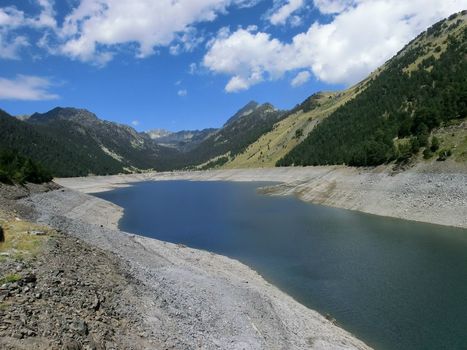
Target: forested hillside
{"points": [[423, 87], [72, 142], [15, 168]]}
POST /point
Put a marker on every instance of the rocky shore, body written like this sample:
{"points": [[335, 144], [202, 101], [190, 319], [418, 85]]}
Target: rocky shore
{"points": [[433, 193], [101, 288]]}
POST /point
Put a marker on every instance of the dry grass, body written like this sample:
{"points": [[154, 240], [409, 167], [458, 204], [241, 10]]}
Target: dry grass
{"points": [[19, 243], [454, 137]]}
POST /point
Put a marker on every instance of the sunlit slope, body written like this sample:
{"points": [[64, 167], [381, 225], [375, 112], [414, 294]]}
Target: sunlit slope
{"points": [[293, 130], [288, 133]]}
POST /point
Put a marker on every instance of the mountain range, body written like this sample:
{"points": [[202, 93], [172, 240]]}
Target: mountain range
{"points": [[413, 108]]}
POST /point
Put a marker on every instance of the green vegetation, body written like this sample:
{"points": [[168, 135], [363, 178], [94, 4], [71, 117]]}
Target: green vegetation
{"points": [[10, 278], [17, 169], [399, 103]]}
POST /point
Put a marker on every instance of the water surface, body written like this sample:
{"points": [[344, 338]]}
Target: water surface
{"points": [[394, 284]]}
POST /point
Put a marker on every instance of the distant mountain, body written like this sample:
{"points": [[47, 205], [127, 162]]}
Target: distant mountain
{"points": [[72, 142], [158, 133], [185, 140], [243, 128]]}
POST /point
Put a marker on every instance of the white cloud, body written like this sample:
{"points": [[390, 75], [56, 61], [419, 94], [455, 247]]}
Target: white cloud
{"points": [[301, 78], [193, 68], [281, 15], [359, 38], [334, 6], [26, 88], [244, 55], [135, 122], [94, 27], [9, 49], [182, 92]]}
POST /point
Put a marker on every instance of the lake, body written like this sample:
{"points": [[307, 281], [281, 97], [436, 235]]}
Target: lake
{"points": [[395, 284]]}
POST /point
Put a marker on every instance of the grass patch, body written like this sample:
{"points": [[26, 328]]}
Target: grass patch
{"points": [[19, 243], [14, 277]]}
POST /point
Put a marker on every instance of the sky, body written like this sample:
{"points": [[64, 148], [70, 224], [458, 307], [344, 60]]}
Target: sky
{"points": [[191, 64]]}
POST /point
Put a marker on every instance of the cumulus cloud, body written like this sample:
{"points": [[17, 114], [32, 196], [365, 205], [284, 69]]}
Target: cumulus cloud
{"points": [[182, 92], [95, 30], [135, 122], [281, 15], [26, 88], [301, 78], [361, 36], [96, 26], [245, 55]]}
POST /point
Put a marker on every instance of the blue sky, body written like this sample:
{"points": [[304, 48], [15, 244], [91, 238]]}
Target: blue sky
{"points": [[191, 64]]}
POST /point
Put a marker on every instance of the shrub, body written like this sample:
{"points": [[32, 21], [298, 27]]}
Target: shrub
{"points": [[434, 144], [427, 154], [444, 154]]}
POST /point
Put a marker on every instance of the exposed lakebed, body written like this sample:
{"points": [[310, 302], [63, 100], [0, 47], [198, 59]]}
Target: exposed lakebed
{"points": [[395, 284]]}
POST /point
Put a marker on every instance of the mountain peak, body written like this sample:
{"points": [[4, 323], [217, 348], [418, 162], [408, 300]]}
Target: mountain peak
{"points": [[249, 108], [64, 113]]}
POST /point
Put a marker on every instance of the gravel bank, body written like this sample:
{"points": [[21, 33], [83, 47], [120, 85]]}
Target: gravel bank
{"points": [[434, 193], [193, 299]]}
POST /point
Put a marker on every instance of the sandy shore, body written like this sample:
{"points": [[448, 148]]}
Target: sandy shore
{"points": [[192, 299], [428, 194]]}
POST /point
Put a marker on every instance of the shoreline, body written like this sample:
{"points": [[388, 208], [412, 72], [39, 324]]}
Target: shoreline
{"points": [[193, 298], [423, 194]]}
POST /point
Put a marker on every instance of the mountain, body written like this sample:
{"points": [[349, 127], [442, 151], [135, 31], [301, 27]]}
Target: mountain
{"points": [[158, 133], [249, 108], [72, 142], [243, 128], [421, 89], [411, 109], [184, 141], [403, 112]]}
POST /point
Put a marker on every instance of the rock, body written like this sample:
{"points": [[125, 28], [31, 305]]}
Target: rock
{"points": [[29, 278], [37, 233], [96, 303], [71, 344], [17, 335], [80, 327]]}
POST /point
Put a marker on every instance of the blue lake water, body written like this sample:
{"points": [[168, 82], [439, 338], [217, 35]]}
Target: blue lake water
{"points": [[394, 284]]}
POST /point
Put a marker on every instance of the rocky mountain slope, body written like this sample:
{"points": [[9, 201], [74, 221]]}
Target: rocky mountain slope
{"points": [[184, 141]]}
